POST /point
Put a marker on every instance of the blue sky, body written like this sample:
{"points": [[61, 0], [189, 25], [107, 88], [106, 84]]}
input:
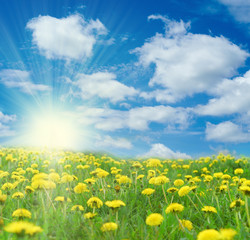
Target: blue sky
{"points": [[163, 78]]}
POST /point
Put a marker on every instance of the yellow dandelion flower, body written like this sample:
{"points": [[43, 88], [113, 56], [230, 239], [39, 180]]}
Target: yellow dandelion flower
{"points": [[7, 186], [62, 199], [23, 227], [245, 190], [218, 175], [123, 179], [159, 180], [174, 208], [227, 234], [21, 212], [115, 204], [209, 234], [29, 189], [209, 209], [110, 226], [237, 203], [184, 191], [154, 219], [18, 195], [94, 202], [3, 197], [148, 191], [141, 176], [55, 177], [43, 184], [67, 178], [187, 224], [90, 181], [89, 215], [152, 162], [172, 190], [80, 188], [238, 171], [178, 182], [77, 208]]}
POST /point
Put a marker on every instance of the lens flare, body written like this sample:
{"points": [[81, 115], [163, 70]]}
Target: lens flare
{"points": [[53, 130]]}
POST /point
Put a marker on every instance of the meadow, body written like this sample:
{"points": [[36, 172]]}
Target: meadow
{"points": [[67, 195]]}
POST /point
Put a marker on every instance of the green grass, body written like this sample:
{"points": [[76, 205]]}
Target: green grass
{"points": [[59, 222]]}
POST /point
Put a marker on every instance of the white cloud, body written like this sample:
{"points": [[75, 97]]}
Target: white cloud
{"points": [[161, 151], [187, 63], [13, 78], [135, 118], [5, 130], [239, 9], [108, 141], [103, 85], [4, 118], [226, 132], [65, 38], [232, 96]]}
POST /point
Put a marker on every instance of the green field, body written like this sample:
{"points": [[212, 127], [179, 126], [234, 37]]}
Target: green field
{"points": [[66, 195]]}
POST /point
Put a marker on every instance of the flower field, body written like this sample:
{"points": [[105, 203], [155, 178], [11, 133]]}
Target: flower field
{"points": [[66, 195]]}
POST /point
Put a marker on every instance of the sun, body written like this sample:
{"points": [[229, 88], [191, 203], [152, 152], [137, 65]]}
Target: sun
{"points": [[53, 130]]}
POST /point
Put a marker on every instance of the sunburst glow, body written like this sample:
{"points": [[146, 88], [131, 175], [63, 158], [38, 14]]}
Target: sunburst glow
{"points": [[53, 130]]}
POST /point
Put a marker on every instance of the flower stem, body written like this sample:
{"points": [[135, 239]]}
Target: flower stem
{"points": [[247, 211], [164, 194]]}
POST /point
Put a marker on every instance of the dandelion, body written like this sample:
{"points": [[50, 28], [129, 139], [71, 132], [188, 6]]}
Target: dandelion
{"points": [[115, 204], [80, 188], [172, 190], [7, 186], [184, 191], [90, 181], [238, 171], [21, 227], [94, 202], [237, 203], [186, 224], [209, 209], [124, 180], [154, 219], [209, 234], [245, 190], [62, 199], [89, 215], [227, 234], [178, 182], [148, 191], [109, 226], [141, 176], [152, 162], [3, 197], [77, 208], [18, 195], [174, 208], [29, 189], [21, 213]]}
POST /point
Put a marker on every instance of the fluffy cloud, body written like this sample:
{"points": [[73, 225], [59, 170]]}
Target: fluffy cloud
{"points": [[226, 132], [13, 78], [4, 118], [161, 151], [108, 141], [187, 63], [66, 38], [239, 9], [135, 118], [103, 85], [5, 130], [232, 96]]}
